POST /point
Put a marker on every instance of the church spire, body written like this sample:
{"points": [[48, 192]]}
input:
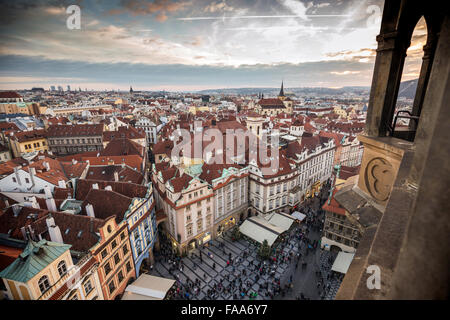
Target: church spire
{"points": [[282, 90]]}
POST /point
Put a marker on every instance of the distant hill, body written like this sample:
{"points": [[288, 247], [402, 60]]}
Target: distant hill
{"points": [[304, 91], [408, 89]]}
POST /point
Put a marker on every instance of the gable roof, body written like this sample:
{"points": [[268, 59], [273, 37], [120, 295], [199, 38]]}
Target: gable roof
{"points": [[35, 257]]}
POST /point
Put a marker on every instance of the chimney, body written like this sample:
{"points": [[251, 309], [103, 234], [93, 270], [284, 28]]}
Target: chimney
{"points": [[46, 165], [109, 188], [116, 176], [51, 204], [74, 161], [32, 174], [24, 233], [16, 209], [16, 172], [48, 192], [53, 230], [62, 184], [95, 186], [90, 210], [32, 203]]}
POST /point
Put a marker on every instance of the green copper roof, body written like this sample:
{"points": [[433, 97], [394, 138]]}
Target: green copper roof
{"points": [[35, 257], [194, 170]]}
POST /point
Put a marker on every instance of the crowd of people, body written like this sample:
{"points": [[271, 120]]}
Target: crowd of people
{"points": [[259, 277]]}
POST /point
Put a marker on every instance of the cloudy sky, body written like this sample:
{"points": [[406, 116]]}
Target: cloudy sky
{"points": [[193, 44]]}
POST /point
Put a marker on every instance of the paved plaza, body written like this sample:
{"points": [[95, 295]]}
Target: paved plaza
{"points": [[226, 269]]}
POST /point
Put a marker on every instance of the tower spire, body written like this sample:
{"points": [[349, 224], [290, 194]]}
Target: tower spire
{"points": [[282, 89]]}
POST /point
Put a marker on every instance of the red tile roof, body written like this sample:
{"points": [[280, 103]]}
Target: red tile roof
{"points": [[271, 103], [124, 132], [334, 206], [133, 161], [122, 146], [26, 136], [9, 95], [75, 130]]}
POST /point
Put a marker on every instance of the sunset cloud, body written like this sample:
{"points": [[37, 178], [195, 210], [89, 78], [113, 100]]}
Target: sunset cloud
{"points": [[218, 41]]}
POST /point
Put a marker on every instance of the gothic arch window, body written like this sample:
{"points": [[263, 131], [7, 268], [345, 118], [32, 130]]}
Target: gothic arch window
{"points": [[416, 67]]}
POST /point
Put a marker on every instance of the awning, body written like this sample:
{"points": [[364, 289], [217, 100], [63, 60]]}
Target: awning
{"points": [[148, 287], [342, 262], [298, 215], [281, 220], [259, 230]]}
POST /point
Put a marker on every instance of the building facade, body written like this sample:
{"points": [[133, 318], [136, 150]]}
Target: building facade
{"points": [[69, 139]]}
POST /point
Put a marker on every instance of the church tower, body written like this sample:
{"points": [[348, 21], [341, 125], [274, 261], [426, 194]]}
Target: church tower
{"points": [[281, 96]]}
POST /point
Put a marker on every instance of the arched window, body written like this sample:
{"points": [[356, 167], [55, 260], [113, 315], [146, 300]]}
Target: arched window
{"points": [[415, 74], [44, 284], [62, 269]]}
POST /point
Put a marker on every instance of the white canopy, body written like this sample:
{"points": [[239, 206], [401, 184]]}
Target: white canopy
{"points": [[342, 262], [259, 230], [281, 220], [148, 287], [298, 215]]}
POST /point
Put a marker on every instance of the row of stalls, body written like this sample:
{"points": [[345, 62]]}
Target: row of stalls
{"points": [[148, 287], [269, 227]]}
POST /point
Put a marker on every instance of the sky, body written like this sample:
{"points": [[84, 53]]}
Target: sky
{"points": [[188, 45]]}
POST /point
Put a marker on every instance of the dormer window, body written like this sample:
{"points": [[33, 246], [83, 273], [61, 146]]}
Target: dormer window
{"points": [[62, 269], [44, 284]]}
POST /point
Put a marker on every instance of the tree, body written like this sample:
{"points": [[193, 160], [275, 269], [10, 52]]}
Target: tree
{"points": [[236, 234], [264, 250]]}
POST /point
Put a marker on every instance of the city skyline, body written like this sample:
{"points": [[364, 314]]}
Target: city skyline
{"points": [[194, 45]]}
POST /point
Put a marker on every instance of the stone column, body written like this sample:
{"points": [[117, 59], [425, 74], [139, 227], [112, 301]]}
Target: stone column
{"points": [[387, 74], [427, 63], [435, 96]]}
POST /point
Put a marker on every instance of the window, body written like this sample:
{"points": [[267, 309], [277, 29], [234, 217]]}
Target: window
{"points": [[75, 297], [116, 258], [138, 247], [200, 224], [14, 180], [128, 265], [125, 249], [136, 234], [88, 287], [120, 276], [188, 218], [112, 287], [189, 230], [104, 254], [44, 284], [114, 244], [107, 268], [122, 236], [62, 269]]}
